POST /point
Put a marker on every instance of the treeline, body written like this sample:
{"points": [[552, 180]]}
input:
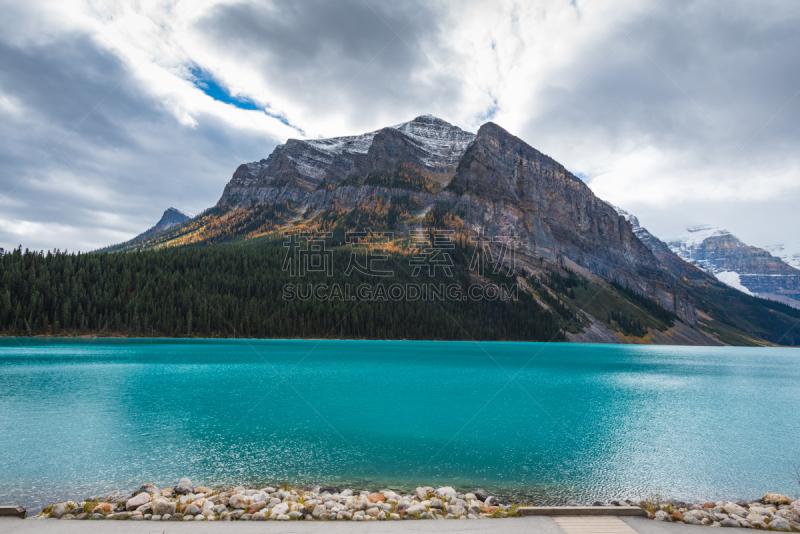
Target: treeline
{"points": [[571, 320], [654, 308], [631, 326], [237, 292], [765, 319]]}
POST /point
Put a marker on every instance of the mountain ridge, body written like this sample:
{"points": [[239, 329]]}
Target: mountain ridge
{"points": [[306, 164]]}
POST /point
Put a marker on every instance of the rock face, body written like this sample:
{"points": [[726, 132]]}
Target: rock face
{"points": [[747, 268], [677, 266], [508, 188]]}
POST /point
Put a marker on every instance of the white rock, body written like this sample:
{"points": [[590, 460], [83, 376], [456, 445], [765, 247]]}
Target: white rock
{"points": [[280, 509], [162, 507], [733, 508], [135, 502], [416, 509], [661, 515], [445, 491], [780, 524], [239, 501]]}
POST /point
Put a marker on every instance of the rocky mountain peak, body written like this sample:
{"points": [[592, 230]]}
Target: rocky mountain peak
{"points": [[174, 216], [171, 217], [747, 268], [426, 142]]}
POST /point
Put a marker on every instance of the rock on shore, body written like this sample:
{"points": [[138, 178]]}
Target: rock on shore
{"points": [[185, 502], [772, 512]]}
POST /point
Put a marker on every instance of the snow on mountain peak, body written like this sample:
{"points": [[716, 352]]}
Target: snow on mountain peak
{"points": [[440, 140], [692, 238], [790, 253]]}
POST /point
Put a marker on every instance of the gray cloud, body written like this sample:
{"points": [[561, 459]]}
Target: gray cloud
{"points": [[688, 73], [317, 49], [122, 166], [697, 81], [693, 82]]}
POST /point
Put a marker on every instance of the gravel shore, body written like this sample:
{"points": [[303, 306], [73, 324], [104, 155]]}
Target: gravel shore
{"points": [[185, 502], [772, 512]]}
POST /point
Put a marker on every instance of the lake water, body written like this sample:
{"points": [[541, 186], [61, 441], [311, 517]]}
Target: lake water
{"points": [[541, 422]]}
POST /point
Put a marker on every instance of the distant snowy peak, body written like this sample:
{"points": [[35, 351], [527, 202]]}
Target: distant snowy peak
{"points": [[706, 246], [695, 235], [702, 246], [788, 253], [723, 256], [744, 267]]}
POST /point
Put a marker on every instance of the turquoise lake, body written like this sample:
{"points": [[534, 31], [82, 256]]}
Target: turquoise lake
{"points": [[540, 422]]}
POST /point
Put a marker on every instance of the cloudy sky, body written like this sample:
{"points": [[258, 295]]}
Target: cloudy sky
{"points": [[681, 112]]}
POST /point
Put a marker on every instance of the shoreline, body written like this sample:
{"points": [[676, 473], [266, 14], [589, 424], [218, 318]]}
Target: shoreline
{"points": [[245, 339], [185, 502]]}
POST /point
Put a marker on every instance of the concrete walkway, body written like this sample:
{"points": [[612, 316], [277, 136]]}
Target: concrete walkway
{"points": [[537, 525]]}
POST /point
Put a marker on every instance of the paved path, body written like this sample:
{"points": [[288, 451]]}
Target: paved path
{"points": [[527, 525], [582, 524]]}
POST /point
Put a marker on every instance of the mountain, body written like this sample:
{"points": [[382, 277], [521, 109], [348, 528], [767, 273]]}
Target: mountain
{"points": [[750, 269], [171, 217], [498, 184], [593, 270]]}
